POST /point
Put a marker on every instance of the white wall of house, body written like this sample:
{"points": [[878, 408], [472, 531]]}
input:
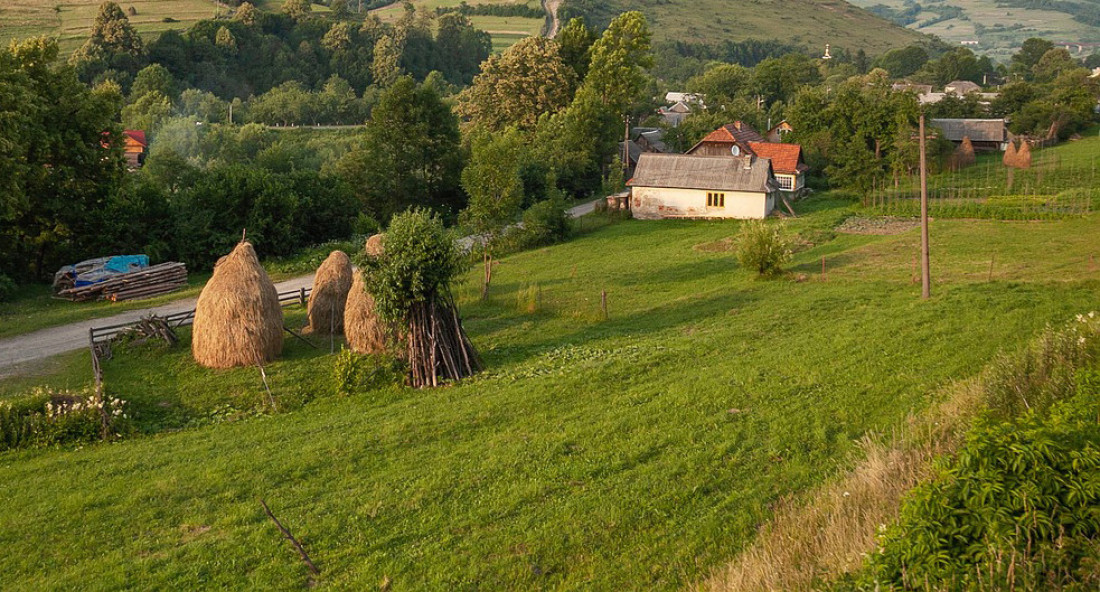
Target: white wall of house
{"points": [[653, 203]]}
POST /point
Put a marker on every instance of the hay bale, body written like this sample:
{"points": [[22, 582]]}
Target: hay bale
{"points": [[1010, 154], [329, 295], [365, 332], [963, 155], [238, 320], [374, 245]]}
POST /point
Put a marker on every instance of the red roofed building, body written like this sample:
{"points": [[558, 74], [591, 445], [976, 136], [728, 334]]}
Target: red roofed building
{"points": [[135, 147], [740, 139]]}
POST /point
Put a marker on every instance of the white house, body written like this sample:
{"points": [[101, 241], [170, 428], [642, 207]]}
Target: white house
{"points": [[689, 186]]}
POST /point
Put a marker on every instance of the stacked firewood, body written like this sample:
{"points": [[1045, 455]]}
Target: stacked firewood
{"points": [[146, 283]]}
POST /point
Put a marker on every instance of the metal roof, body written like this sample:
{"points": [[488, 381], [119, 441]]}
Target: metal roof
{"points": [[717, 173]]}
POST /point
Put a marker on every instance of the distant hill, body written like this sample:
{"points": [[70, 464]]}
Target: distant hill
{"points": [[998, 27], [806, 23]]}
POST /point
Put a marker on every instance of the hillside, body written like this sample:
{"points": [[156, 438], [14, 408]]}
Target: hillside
{"points": [[71, 21], [636, 452], [999, 27], [808, 23]]}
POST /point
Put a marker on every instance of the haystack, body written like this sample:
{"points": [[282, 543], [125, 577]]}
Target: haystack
{"points": [[329, 295], [963, 155], [238, 320], [1023, 156], [1009, 159], [374, 245], [365, 332]]}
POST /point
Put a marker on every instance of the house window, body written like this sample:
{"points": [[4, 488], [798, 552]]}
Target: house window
{"points": [[785, 183], [716, 200]]}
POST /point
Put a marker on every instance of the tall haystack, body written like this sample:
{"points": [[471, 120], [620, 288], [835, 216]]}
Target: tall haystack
{"points": [[329, 296], [365, 332], [963, 155], [1009, 158], [238, 320], [374, 245]]}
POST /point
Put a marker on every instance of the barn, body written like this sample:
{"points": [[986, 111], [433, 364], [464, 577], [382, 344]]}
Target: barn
{"points": [[688, 186]]}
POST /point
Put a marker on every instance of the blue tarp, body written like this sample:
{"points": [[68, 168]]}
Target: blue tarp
{"points": [[94, 271], [126, 263]]}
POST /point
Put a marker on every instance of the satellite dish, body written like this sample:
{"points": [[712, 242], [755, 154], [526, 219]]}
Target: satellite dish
{"points": [[735, 150]]}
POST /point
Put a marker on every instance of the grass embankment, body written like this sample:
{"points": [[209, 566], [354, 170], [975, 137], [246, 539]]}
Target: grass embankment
{"points": [[35, 306], [638, 452]]}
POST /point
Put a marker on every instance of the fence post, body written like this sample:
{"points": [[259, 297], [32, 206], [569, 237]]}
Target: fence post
{"points": [[302, 296]]}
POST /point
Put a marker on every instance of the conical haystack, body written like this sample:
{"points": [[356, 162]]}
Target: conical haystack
{"points": [[330, 295], [1009, 159], [238, 320], [365, 332], [963, 155]]}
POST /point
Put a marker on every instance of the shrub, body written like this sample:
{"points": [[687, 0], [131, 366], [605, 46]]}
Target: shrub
{"points": [[7, 287], [762, 248], [544, 223], [45, 418], [353, 373]]}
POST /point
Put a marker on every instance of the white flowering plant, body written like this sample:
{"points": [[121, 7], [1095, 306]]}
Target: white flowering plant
{"points": [[46, 417]]}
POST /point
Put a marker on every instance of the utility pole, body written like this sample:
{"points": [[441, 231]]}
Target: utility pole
{"points": [[926, 278]]}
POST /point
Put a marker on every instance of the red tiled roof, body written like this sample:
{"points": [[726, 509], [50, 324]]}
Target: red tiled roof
{"points": [[737, 131], [136, 135], [786, 158]]}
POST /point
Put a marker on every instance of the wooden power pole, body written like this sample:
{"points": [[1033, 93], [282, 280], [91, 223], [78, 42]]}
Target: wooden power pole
{"points": [[925, 273]]}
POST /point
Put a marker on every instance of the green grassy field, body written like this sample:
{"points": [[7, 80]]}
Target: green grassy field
{"points": [[999, 30], [505, 31], [71, 20], [637, 452]]}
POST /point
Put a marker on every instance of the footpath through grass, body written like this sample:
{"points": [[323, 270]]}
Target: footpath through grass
{"points": [[637, 452]]}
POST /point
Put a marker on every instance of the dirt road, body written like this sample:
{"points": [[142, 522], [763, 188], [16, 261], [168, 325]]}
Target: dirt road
{"points": [[19, 354], [551, 8]]}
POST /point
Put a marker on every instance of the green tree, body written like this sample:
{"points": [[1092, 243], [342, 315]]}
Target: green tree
{"points": [[153, 78], [616, 71], [460, 48], [902, 62], [113, 44], [408, 153], [519, 85], [298, 9], [246, 13], [778, 79], [148, 112], [494, 183], [576, 40], [226, 40], [1053, 63], [721, 85], [1030, 53], [386, 65]]}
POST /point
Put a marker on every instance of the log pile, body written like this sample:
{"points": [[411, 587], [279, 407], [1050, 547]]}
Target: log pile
{"points": [[146, 283], [438, 348]]}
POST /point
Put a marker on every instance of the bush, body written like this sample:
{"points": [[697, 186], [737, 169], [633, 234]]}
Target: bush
{"points": [[7, 287], [1015, 510], [762, 247], [544, 223], [46, 418], [353, 373]]}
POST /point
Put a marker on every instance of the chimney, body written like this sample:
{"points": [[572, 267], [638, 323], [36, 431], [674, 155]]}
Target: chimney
{"points": [[748, 161]]}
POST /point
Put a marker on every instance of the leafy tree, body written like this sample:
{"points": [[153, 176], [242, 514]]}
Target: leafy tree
{"points": [[153, 78], [519, 85], [1053, 63], [957, 64], [408, 153], [460, 48], [202, 106], [778, 79], [386, 66], [1029, 55], [246, 13], [57, 168], [148, 112], [721, 84], [494, 183], [298, 9], [576, 41], [113, 44], [616, 70], [902, 62], [762, 247], [225, 40]]}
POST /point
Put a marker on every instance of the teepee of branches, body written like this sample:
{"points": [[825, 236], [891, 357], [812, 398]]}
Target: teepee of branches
{"points": [[410, 282]]}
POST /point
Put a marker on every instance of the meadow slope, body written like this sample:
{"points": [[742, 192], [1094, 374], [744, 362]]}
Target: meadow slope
{"points": [[637, 452]]}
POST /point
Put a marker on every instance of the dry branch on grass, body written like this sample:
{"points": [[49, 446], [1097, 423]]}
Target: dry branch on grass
{"points": [[329, 296], [238, 320]]}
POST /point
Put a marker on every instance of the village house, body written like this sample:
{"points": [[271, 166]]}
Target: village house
{"points": [[739, 139], [686, 186], [134, 148], [675, 114], [988, 135], [777, 133], [646, 139]]}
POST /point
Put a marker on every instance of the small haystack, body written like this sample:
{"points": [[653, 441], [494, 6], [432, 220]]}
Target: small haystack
{"points": [[374, 245], [329, 296], [1023, 156], [364, 331], [1010, 154], [963, 155], [238, 320]]}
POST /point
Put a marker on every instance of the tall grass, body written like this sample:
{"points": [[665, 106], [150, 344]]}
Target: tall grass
{"points": [[830, 533]]}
